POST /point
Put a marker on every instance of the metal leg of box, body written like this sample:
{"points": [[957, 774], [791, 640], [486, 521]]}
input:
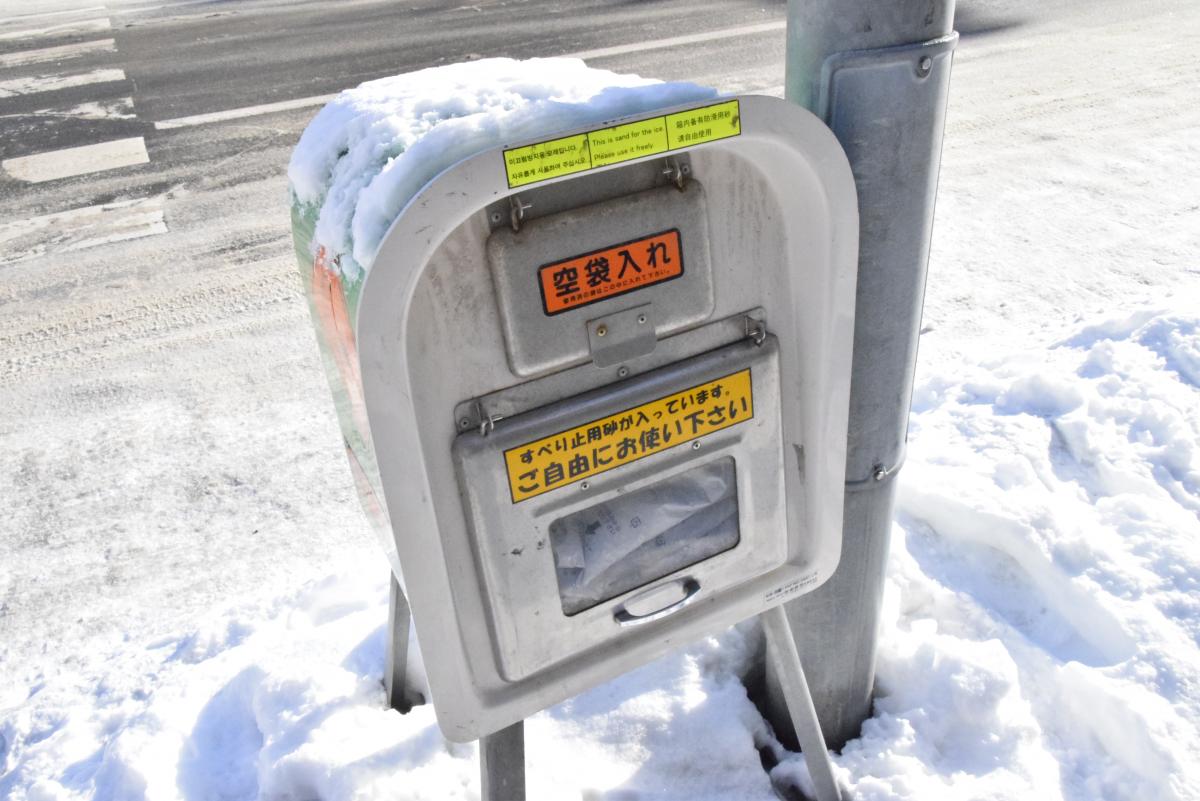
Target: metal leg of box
{"points": [[781, 647], [502, 764], [395, 670]]}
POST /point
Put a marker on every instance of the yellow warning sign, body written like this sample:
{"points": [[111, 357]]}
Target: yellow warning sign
{"points": [[618, 439], [618, 143]]}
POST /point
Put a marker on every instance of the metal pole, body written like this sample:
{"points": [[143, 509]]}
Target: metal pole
{"points": [[877, 72], [502, 764], [786, 661]]}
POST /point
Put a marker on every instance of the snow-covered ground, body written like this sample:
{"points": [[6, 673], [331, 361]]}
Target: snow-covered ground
{"points": [[1042, 626], [1041, 636]]}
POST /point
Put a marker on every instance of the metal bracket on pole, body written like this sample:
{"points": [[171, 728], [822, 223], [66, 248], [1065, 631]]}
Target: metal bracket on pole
{"points": [[781, 646], [846, 76], [502, 764]]}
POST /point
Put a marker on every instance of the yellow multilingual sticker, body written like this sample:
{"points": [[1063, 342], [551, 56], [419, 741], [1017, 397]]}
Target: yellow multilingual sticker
{"points": [[532, 163], [618, 143], [625, 142], [687, 128], [618, 439]]}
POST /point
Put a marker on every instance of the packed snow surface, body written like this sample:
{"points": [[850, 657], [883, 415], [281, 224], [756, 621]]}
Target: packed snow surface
{"points": [[1042, 637], [373, 147]]}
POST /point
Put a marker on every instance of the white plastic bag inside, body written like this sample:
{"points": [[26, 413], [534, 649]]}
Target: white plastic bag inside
{"points": [[616, 546]]}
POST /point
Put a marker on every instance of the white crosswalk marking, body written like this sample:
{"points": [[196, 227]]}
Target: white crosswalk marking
{"points": [[81, 228], [72, 161], [90, 226], [677, 41], [60, 53], [50, 83], [25, 19], [61, 29], [118, 108], [239, 113], [155, 6]]}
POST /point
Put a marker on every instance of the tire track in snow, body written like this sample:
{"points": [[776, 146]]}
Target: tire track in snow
{"points": [[87, 337]]}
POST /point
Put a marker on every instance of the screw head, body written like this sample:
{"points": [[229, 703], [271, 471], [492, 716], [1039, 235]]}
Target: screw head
{"points": [[622, 372], [924, 65], [601, 330]]}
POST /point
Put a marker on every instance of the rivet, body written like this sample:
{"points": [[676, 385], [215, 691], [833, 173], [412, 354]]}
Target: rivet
{"points": [[601, 330], [584, 485], [641, 319], [696, 445], [464, 423], [924, 65], [622, 372]]}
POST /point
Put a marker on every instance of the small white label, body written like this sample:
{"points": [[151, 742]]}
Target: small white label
{"points": [[792, 588]]}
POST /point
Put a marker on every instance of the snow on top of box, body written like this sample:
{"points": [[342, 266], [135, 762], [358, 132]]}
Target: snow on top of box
{"points": [[372, 148]]}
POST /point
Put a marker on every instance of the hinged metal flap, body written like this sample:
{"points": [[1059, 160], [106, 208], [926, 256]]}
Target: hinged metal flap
{"points": [[560, 271], [592, 455]]}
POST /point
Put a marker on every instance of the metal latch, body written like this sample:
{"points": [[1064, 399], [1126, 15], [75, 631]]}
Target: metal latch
{"points": [[621, 336]]}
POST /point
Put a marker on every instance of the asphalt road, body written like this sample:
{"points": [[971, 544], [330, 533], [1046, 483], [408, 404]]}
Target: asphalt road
{"points": [[171, 60], [167, 440]]}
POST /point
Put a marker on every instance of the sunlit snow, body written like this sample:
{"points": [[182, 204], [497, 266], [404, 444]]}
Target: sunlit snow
{"points": [[1042, 612]]}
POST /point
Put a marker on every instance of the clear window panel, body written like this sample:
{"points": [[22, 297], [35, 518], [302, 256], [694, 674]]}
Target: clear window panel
{"points": [[634, 539]]}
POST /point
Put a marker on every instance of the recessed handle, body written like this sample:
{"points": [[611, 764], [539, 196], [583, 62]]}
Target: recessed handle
{"points": [[626, 618]]}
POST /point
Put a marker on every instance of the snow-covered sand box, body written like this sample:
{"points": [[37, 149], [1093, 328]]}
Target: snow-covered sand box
{"points": [[1042, 637]]}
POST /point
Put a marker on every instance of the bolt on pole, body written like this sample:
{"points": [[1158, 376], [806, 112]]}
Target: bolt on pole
{"points": [[878, 73]]}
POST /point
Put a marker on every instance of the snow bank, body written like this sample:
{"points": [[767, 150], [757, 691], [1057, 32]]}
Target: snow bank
{"points": [[369, 150], [1044, 590], [1041, 638], [292, 706]]}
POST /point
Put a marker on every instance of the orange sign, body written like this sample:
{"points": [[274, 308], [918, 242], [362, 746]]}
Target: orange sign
{"points": [[615, 270]]}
